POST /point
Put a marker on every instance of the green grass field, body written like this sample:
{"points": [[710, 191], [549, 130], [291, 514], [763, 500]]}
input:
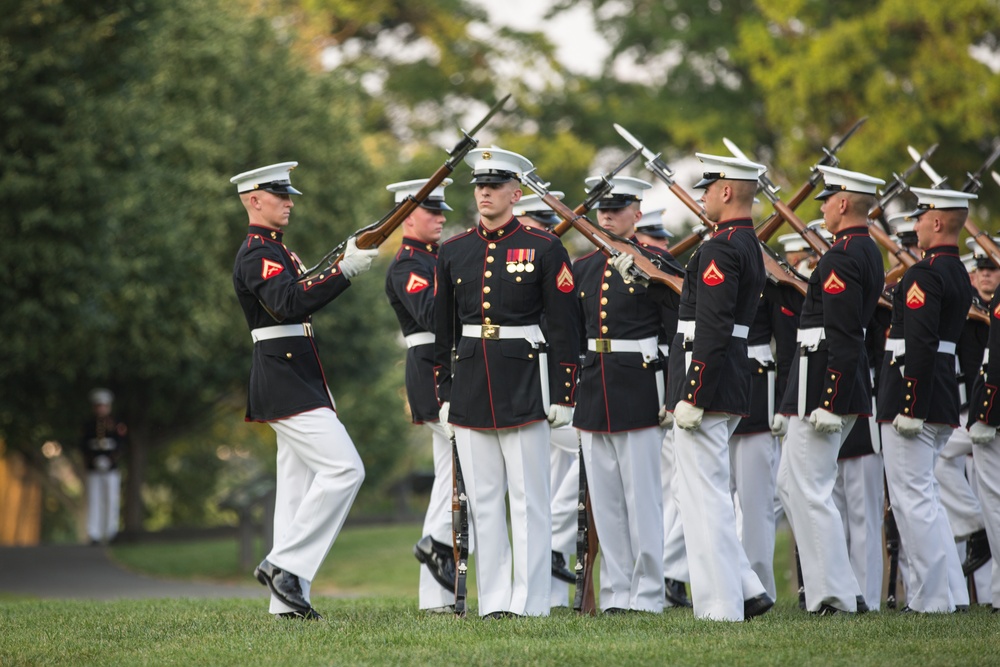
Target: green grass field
{"points": [[368, 594]]}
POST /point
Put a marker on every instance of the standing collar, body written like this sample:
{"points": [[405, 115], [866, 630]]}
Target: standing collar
{"points": [[266, 232], [420, 245], [860, 230], [503, 232], [732, 224], [941, 250]]}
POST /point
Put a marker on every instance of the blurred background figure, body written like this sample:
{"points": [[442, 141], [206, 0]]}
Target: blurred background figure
{"points": [[102, 445]]}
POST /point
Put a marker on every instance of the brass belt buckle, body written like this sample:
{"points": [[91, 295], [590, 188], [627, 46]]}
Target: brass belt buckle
{"points": [[307, 329], [491, 331], [602, 345]]}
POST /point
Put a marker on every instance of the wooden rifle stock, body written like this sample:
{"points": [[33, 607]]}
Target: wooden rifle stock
{"points": [[768, 228], [564, 226]]}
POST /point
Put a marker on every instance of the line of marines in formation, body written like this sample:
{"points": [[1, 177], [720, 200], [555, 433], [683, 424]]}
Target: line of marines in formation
{"points": [[703, 416]]}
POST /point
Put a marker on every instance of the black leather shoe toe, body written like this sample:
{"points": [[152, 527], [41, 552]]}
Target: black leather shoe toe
{"points": [[559, 569], [284, 585], [977, 552], [676, 593], [439, 559], [757, 605]]}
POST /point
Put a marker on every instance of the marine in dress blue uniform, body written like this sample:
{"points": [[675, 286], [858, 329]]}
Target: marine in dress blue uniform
{"points": [[918, 401], [651, 230], [620, 396], [960, 500], [564, 456], [709, 390], [829, 386], [319, 470], [102, 446], [409, 285], [508, 382]]}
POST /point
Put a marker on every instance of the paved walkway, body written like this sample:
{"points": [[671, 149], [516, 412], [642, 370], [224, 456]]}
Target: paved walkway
{"points": [[85, 572]]}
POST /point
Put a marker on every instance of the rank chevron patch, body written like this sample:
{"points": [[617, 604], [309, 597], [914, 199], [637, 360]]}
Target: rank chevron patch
{"points": [[915, 297], [416, 283], [269, 269], [996, 312], [713, 275], [833, 284], [564, 279]]}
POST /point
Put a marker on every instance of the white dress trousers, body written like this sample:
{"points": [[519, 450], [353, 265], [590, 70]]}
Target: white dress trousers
{"points": [[437, 520], [675, 565], [495, 462], [960, 502], [623, 477], [103, 503], [859, 494], [987, 459], [564, 480], [934, 580], [806, 478], [721, 577], [319, 475], [751, 459]]}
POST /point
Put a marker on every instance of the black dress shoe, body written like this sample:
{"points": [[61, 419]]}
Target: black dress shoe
{"points": [[977, 552], [829, 610], [498, 615], [676, 593], [862, 605], [284, 585], [559, 569], [311, 615], [961, 609], [615, 611], [757, 605], [439, 559], [802, 598]]}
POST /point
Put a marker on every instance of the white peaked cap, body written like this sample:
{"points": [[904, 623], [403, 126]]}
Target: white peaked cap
{"points": [[273, 178], [434, 201], [842, 180], [495, 165], [625, 190], [928, 199], [719, 167]]}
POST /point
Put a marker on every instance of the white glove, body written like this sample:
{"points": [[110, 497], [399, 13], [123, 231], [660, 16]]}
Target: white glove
{"points": [[981, 433], [356, 261], [779, 425], [687, 416], [907, 427], [102, 463], [560, 415], [443, 420], [825, 421], [666, 418], [622, 263]]}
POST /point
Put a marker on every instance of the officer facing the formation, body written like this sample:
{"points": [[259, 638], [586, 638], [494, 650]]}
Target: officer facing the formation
{"points": [[409, 285], [102, 445], [319, 470], [829, 387], [564, 457], [620, 397], [918, 399], [710, 389], [508, 383]]}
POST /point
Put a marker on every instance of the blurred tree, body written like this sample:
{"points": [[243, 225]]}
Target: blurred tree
{"points": [[121, 125]]}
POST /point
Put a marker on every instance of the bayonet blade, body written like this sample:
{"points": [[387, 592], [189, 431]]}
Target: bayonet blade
{"points": [[489, 114], [937, 180], [918, 161], [735, 150], [843, 140], [638, 145], [996, 176]]}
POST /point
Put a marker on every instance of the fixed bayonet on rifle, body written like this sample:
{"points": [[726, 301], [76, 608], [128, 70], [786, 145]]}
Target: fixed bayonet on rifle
{"points": [[644, 268], [595, 194], [974, 183], [772, 224], [659, 168], [375, 234], [586, 547], [898, 186], [459, 529], [937, 180], [996, 177]]}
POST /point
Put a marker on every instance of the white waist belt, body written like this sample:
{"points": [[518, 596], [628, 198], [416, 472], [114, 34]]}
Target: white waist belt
{"points": [[531, 332], [419, 338], [645, 346], [898, 347], [687, 328], [282, 331]]}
